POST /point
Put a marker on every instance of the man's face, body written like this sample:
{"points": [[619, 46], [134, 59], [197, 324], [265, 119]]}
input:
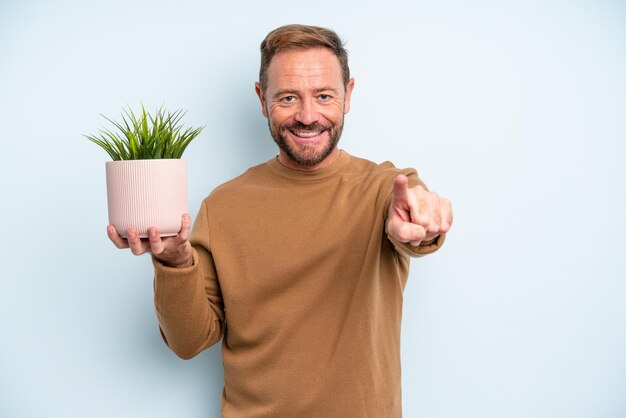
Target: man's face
{"points": [[305, 102]]}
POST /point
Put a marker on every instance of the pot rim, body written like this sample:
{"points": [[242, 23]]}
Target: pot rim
{"points": [[147, 161]]}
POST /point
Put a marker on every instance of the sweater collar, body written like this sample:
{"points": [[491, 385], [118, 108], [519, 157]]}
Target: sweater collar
{"points": [[307, 176]]}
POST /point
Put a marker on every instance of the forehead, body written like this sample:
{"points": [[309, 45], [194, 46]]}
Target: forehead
{"points": [[303, 68]]}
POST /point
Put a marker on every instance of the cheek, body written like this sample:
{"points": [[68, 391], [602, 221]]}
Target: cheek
{"points": [[279, 117], [333, 117], [335, 111]]}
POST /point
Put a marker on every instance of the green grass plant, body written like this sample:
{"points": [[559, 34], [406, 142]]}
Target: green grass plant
{"points": [[145, 137]]}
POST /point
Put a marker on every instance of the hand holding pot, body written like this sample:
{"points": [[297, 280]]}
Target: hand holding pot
{"points": [[172, 251]]}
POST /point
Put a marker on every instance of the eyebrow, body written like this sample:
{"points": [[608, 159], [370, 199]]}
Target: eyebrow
{"points": [[284, 91], [292, 91]]}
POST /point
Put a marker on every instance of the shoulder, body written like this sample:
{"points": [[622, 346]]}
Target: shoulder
{"points": [[245, 186], [377, 172]]}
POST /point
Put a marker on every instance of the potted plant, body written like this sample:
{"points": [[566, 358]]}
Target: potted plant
{"points": [[147, 180]]}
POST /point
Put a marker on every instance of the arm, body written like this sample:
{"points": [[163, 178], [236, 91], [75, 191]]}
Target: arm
{"points": [[188, 299], [189, 305], [187, 294]]}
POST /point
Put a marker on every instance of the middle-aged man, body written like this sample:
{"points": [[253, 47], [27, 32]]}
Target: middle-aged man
{"points": [[300, 263]]}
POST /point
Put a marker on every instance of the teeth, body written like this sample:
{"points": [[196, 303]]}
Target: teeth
{"points": [[306, 134]]}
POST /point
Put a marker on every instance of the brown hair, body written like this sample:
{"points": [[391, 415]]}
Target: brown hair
{"points": [[291, 37]]}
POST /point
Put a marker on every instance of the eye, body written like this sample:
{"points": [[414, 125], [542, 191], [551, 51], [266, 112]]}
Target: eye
{"points": [[324, 97], [288, 99]]}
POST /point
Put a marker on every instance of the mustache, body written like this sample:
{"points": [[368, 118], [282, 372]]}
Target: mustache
{"points": [[299, 126]]}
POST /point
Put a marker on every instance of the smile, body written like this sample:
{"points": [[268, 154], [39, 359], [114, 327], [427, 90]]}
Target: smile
{"points": [[306, 134]]}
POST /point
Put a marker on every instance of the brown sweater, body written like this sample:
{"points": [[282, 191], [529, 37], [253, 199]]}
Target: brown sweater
{"points": [[295, 270]]}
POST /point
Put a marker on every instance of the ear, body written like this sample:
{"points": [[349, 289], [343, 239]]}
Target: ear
{"points": [[259, 92], [346, 102]]}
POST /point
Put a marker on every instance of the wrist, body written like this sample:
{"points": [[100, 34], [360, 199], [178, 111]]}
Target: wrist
{"points": [[181, 258]]}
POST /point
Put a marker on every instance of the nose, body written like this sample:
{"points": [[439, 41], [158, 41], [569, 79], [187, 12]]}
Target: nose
{"points": [[306, 113]]}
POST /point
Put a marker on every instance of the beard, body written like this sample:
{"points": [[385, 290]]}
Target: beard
{"points": [[306, 155]]}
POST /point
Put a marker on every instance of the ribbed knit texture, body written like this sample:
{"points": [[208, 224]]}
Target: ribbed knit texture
{"points": [[295, 270], [145, 193]]}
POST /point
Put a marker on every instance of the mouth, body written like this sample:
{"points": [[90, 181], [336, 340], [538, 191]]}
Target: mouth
{"points": [[306, 134]]}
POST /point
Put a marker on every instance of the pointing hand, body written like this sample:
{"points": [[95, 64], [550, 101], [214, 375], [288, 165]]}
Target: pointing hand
{"points": [[417, 215]]}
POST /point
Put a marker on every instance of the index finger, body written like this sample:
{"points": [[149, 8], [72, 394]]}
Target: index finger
{"points": [[400, 191]]}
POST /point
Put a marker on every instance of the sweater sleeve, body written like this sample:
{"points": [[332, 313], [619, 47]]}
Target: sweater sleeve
{"points": [[188, 300], [405, 248], [425, 247]]}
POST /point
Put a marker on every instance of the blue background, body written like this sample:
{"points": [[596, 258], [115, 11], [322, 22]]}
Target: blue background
{"points": [[516, 111]]}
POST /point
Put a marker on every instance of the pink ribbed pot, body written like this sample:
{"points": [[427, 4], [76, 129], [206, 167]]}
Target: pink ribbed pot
{"points": [[145, 193]]}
